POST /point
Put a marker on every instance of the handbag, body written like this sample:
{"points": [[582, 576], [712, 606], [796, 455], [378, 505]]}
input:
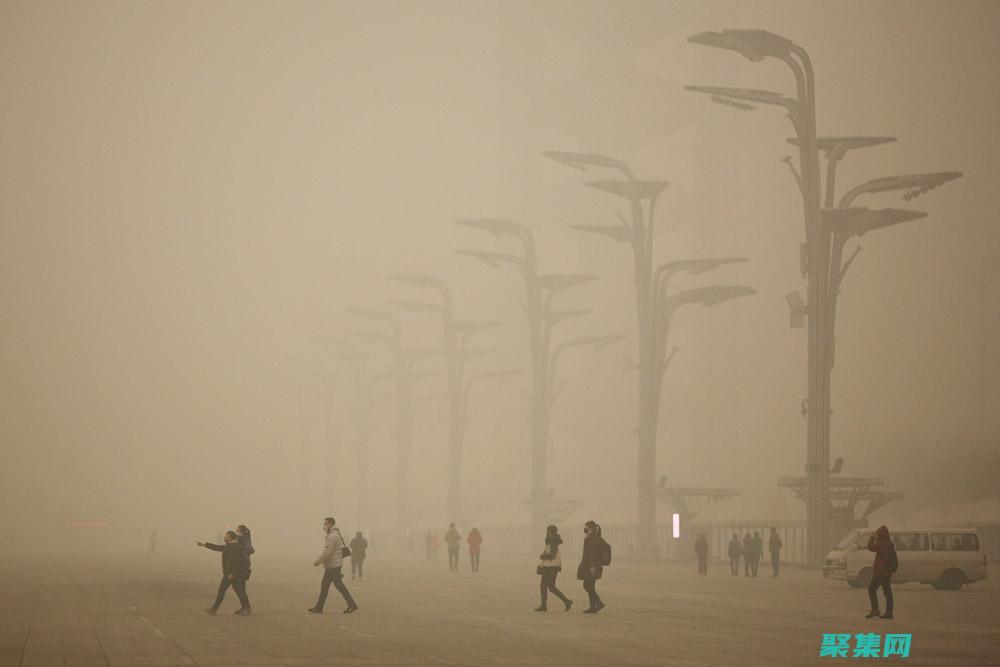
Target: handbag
{"points": [[345, 552]]}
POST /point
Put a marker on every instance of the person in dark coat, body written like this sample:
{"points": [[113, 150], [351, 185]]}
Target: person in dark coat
{"points": [[244, 540], [591, 567], [701, 548], [549, 566], [359, 551], [756, 552], [734, 551], [885, 552], [235, 567], [774, 545], [747, 548]]}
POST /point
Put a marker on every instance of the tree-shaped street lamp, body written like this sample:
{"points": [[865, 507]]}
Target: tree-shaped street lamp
{"points": [[822, 252], [638, 232], [540, 291]]}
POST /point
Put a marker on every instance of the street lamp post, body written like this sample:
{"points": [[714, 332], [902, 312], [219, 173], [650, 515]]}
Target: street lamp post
{"points": [[405, 377], [540, 290], [653, 310], [456, 335], [820, 255]]}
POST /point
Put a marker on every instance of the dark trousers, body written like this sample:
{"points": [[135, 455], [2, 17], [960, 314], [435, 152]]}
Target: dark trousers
{"points": [[775, 562], [754, 562], [358, 567], [886, 584], [239, 585], [702, 563], [549, 575], [474, 561], [746, 565], [334, 576], [734, 564], [590, 585], [452, 558]]}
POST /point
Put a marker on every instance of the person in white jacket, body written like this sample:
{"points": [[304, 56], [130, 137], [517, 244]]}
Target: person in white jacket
{"points": [[332, 560]]}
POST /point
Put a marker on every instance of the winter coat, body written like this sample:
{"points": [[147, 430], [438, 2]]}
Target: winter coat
{"points": [[592, 563], [333, 550], [756, 548], [452, 538], [774, 544], [245, 541], [701, 546], [551, 557], [883, 548], [475, 539], [734, 548], [234, 559], [359, 548]]}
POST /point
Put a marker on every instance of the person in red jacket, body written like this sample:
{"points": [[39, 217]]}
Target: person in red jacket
{"points": [[475, 541], [882, 569]]}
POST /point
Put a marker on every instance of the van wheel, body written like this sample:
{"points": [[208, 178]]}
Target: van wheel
{"points": [[952, 580], [853, 583], [864, 578]]}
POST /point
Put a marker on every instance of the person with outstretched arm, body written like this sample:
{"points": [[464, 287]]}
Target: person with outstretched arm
{"points": [[235, 567]]}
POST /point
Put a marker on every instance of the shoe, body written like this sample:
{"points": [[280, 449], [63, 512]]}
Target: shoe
{"points": [[568, 603], [314, 610], [211, 610], [600, 606], [590, 611], [887, 614], [351, 610], [873, 613], [542, 608], [246, 611]]}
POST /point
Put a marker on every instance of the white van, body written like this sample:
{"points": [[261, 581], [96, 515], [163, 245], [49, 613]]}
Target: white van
{"points": [[945, 558]]}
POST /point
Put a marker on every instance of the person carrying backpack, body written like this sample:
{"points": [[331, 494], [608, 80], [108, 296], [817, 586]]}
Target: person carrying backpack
{"points": [[882, 569], [596, 555]]}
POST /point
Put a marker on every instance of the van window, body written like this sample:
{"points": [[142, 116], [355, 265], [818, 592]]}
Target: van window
{"points": [[955, 542], [847, 540], [911, 541]]}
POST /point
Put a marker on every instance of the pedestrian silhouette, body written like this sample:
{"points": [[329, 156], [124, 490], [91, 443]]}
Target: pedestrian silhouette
{"points": [[774, 545], [549, 567], [475, 540], [734, 551], [701, 548], [235, 568], [332, 560], [359, 551], [452, 538], [596, 554]]}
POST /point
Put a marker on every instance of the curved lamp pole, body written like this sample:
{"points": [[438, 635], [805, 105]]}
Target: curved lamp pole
{"points": [[820, 254], [540, 290], [638, 232], [456, 335]]}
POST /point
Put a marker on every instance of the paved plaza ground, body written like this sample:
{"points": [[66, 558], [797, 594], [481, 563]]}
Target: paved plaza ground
{"points": [[146, 610]]}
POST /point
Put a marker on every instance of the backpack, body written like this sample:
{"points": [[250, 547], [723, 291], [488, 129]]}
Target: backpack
{"points": [[607, 554], [893, 561]]}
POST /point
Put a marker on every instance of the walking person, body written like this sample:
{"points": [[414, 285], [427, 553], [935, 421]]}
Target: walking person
{"points": [[701, 548], [549, 566], [332, 560], [734, 551], [774, 545], [452, 538], [246, 543], [747, 546], [235, 567], [885, 564], [359, 551], [596, 554], [757, 552], [475, 540]]}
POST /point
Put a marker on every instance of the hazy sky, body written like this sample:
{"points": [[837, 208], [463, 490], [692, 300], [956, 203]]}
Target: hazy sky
{"points": [[190, 191]]}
